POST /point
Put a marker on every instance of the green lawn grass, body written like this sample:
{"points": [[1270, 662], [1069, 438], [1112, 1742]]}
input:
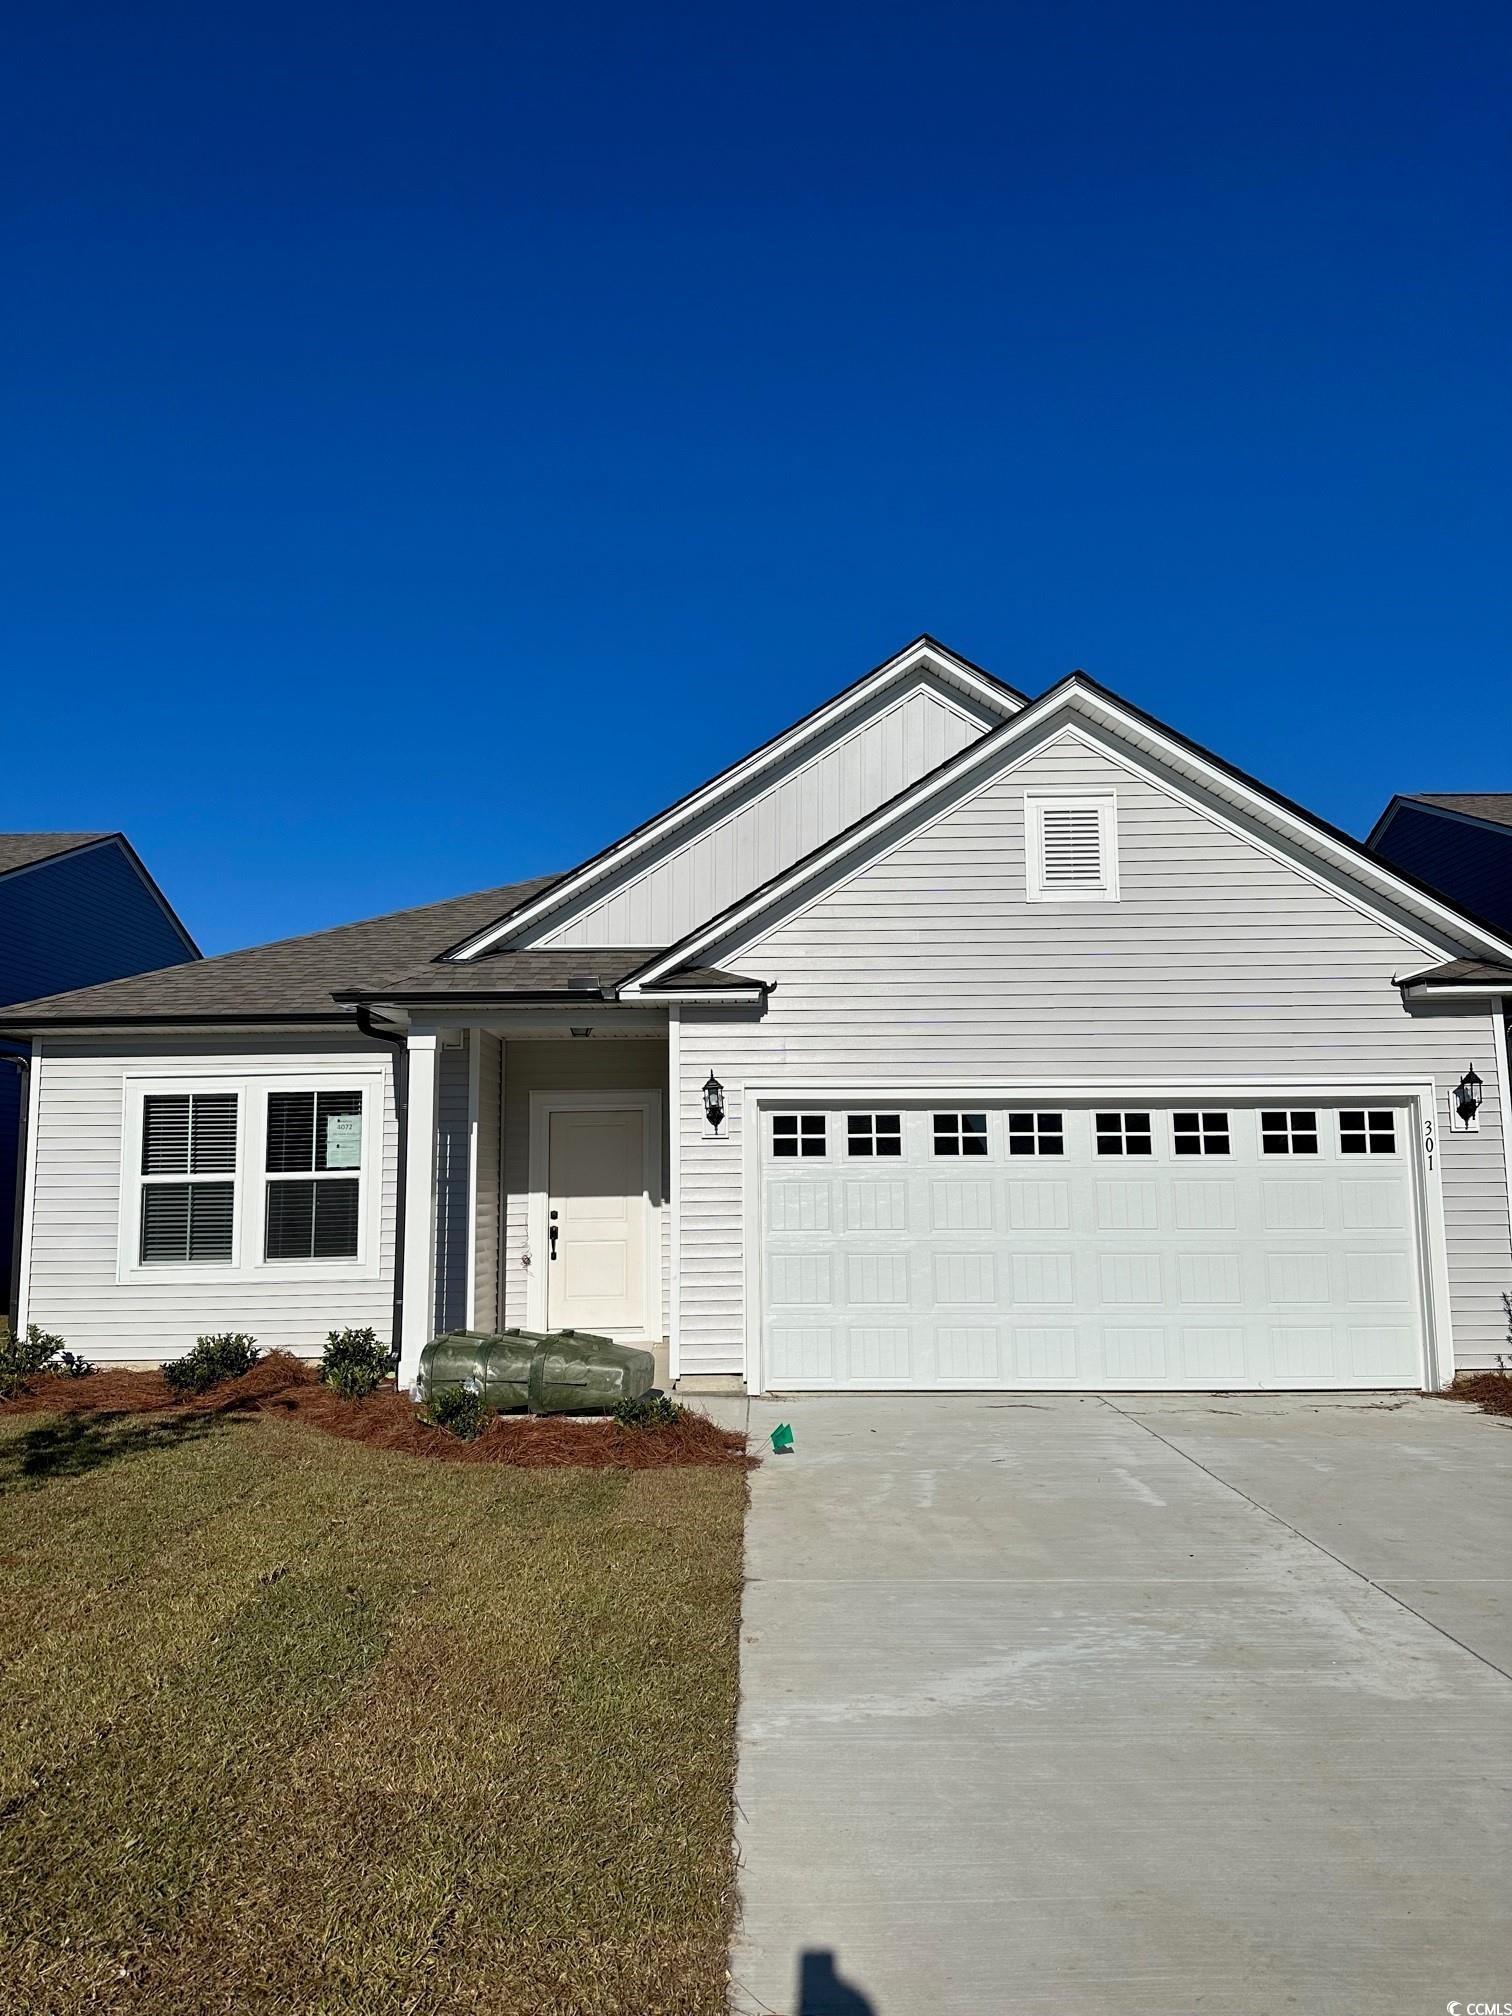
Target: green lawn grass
{"points": [[292, 1724]]}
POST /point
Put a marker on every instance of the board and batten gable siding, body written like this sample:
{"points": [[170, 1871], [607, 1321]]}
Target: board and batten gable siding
{"points": [[582, 1065], [71, 1277], [774, 821], [1220, 963]]}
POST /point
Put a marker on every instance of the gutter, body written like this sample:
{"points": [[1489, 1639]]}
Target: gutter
{"points": [[369, 1028]]}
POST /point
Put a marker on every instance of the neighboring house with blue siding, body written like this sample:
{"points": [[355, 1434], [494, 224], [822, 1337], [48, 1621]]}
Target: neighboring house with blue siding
{"points": [[75, 909], [1456, 841]]}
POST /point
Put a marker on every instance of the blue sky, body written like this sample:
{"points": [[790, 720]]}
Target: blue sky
{"points": [[435, 438]]}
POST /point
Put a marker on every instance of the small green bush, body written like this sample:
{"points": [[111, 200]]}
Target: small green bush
{"points": [[651, 1410], [355, 1363], [227, 1355], [22, 1358], [460, 1411]]}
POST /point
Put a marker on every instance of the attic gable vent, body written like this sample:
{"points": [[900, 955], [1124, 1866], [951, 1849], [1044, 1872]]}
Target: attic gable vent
{"points": [[1072, 849]]}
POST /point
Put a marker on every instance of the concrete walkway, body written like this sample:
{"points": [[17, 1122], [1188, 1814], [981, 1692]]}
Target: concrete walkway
{"points": [[1137, 1705]]}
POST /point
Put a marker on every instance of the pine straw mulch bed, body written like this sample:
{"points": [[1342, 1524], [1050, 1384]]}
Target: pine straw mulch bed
{"points": [[1490, 1391], [288, 1387]]}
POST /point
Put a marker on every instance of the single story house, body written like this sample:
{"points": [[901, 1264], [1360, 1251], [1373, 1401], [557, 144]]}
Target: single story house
{"points": [[1458, 842], [950, 1039], [74, 908]]}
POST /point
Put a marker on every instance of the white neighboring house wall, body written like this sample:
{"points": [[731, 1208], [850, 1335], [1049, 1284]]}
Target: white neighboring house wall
{"points": [[1219, 964], [774, 821], [80, 1280]]}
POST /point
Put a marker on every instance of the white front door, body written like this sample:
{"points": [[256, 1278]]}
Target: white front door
{"points": [[596, 1220]]}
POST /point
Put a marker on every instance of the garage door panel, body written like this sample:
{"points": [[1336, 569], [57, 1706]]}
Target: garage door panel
{"points": [[1243, 1265]]}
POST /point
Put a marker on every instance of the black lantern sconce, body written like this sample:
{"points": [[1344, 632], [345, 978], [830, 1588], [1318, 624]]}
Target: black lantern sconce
{"points": [[714, 1102], [1467, 1096]]}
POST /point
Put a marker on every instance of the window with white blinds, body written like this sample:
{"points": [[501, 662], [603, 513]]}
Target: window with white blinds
{"points": [[1071, 849], [186, 1138], [313, 1215]]}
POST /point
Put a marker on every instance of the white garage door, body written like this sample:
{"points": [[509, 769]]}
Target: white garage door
{"points": [[1093, 1246]]}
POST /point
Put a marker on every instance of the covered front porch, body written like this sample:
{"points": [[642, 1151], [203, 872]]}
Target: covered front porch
{"points": [[538, 1153]]}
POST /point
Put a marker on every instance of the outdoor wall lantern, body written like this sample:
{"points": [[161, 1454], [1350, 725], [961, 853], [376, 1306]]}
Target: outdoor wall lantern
{"points": [[1467, 1095], [714, 1102]]}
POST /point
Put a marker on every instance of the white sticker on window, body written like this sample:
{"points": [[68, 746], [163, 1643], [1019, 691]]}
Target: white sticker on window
{"points": [[343, 1143]]}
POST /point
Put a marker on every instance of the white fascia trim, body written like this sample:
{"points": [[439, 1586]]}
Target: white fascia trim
{"points": [[1446, 990], [917, 657], [733, 997], [1449, 812], [1113, 720]]}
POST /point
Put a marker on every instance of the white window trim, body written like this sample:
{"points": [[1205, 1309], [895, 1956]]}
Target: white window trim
{"points": [[1105, 805], [250, 1179]]}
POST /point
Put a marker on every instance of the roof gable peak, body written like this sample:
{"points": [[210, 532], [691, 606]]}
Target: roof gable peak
{"points": [[975, 694]]}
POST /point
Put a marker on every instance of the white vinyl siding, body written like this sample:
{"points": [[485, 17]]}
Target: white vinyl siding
{"points": [[72, 1285], [773, 822], [1220, 964]]}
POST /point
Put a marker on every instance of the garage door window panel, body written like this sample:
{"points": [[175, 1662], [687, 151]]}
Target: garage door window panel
{"points": [[1199, 1133], [960, 1134], [1371, 1131], [1123, 1134], [873, 1134], [798, 1134], [1288, 1131], [1036, 1134]]}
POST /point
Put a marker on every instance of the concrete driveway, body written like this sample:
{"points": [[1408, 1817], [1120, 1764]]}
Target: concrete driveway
{"points": [[1143, 1704]]}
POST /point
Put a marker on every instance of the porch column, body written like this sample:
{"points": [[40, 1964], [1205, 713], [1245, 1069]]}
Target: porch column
{"points": [[419, 1206]]}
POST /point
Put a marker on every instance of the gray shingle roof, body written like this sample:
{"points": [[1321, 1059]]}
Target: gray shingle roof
{"points": [[599, 970], [291, 979], [1493, 805], [24, 850]]}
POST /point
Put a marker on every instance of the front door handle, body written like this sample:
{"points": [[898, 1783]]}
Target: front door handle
{"points": [[551, 1234]]}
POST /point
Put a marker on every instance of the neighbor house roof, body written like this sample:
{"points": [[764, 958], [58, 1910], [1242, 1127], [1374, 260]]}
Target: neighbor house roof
{"points": [[1493, 805], [25, 850], [291, 980]]}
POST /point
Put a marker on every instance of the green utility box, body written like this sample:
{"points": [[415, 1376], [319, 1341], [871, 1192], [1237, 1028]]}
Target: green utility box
{"points": [[566, 1372]]}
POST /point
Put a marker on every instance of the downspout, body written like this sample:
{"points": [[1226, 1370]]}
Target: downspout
{"points": [[401, 1118], [22, 1062]]}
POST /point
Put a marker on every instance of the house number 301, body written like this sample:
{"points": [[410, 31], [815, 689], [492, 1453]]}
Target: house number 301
{"points": [[1428, 1141]]}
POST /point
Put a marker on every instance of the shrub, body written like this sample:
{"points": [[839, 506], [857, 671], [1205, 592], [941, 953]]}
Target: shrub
{"points": [[355, 1363], [22, 1358], [460, 1411], [651, 1410], [226, 1355]]}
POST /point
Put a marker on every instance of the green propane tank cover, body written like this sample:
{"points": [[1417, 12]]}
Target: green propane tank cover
{"points": [[782, 1438], [575, 1372]]}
